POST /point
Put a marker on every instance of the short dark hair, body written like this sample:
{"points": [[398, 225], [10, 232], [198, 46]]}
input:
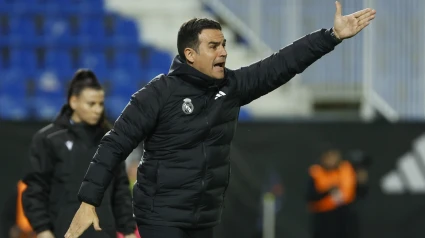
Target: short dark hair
{"points": [[188, 36]]}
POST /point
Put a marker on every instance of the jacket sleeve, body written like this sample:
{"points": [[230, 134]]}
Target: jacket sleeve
{"points": [[312, 193], [36, 196], [135, 123], [272, 72], [122, 202]]}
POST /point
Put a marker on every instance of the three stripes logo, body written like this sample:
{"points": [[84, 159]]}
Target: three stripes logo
{"points": [[219, 94], [410, 173]]}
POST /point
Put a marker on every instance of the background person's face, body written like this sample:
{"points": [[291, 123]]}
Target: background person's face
{"points": [[88, 106]]}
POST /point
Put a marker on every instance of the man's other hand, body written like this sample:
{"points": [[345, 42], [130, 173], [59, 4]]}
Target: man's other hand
{"points": [[45, 234], [83, 219], [349, 25]]}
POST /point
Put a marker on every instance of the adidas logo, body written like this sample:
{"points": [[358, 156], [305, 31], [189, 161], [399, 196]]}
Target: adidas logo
{"points": [[219, 94], [410, 173]]}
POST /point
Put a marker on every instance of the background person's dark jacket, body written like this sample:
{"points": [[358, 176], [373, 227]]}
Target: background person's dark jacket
{"points": [[60, 155], [186, 166]]}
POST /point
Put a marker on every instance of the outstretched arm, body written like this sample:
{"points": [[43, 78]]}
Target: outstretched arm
{"points": [[272, 72]]}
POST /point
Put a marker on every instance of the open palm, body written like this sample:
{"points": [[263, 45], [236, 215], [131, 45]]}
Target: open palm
{"points": [[349, 25]]}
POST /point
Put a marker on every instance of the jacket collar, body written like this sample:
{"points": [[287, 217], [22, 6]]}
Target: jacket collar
{"points": [[191, 75], [81, 130]]}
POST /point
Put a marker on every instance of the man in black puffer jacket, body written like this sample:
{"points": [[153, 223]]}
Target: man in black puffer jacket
{"points": [[187, 119]]}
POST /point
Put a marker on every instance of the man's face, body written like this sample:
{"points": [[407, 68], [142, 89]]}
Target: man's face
{"points": [[211, 56], [88, 106]]}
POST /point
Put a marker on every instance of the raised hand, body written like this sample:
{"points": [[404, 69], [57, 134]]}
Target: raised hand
{"points": [[349, 25]]}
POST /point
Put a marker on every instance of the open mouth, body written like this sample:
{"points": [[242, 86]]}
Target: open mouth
{"points": [[219, 65]]}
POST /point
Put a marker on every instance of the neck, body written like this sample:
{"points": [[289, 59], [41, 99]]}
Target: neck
{"points": [[75, 118]]}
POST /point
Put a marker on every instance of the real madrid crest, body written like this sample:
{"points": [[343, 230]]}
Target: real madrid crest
{"points": [[187, 106]]}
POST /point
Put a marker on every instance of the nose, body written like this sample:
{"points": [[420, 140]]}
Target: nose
{"points": [[223, 52], [98, 109]]}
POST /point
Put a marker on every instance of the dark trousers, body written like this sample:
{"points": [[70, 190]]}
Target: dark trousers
{"points": [[149, 231], [339, 223]]}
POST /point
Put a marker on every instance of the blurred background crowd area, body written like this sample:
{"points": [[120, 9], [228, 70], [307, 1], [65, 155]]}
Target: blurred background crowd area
{"points": [[377, 74]]}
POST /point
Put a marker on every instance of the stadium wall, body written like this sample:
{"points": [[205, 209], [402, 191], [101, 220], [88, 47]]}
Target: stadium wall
{"points": [[275, 158]]}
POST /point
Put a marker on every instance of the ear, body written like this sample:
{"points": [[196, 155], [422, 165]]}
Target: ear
{"points": [[190, 55], [73, 102]]}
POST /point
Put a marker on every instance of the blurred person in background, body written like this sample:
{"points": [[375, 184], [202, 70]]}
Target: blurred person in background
{"points": [[187, 120], [13, 220], [334, 187], [60, 154]]}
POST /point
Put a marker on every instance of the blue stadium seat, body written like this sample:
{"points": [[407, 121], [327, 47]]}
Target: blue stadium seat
{"points": [[122, 83], [96, 61], [22, 30], [125, 34], [91, 7], [57, 31], [46, 108], [52, 67], [150, 74], [93, 27], [15, 7], [23, 58], [115, 105], [126, 27], [21, 25], [159, 60], [122, 42], [13, 108], [59, 60], [128, 60], [50, 84], [13, 82]]}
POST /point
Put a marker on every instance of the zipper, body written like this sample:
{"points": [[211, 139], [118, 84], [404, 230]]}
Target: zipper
{"points": [[204, 169]]}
